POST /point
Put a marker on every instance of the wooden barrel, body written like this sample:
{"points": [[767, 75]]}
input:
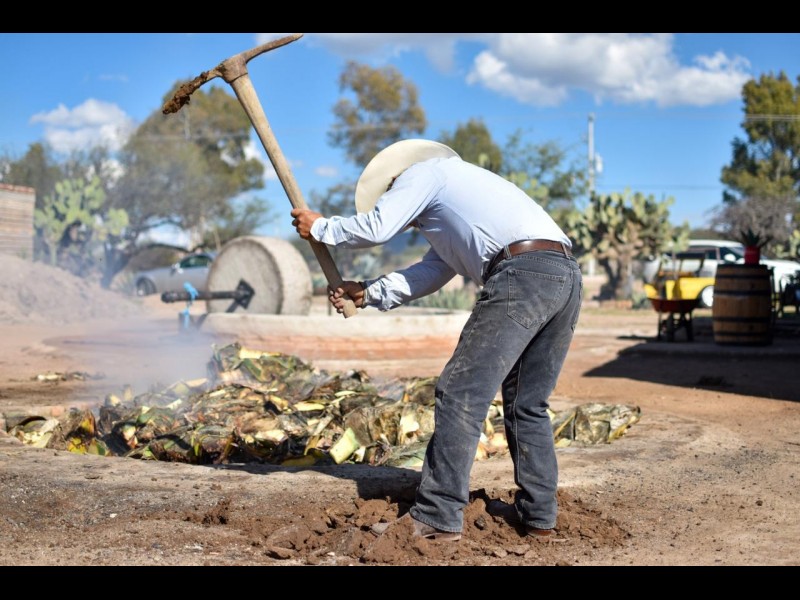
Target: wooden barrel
{"points": [[742, 308]]}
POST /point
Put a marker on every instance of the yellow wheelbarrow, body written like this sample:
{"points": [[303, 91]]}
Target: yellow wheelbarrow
{"points": [[675, 293]]}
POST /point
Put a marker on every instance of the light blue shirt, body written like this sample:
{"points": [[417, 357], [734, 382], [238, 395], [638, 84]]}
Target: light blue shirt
{"points": [[467, 214]]}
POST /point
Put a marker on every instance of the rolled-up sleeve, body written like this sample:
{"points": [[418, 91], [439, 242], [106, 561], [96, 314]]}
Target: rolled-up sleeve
{"points": [[403, 286]]}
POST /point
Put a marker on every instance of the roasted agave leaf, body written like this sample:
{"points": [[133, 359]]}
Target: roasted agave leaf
{"points": [[154, 422], [597, 423], [410, 456], [35, 431], [77, 432], [206, 444], [420, 391]]}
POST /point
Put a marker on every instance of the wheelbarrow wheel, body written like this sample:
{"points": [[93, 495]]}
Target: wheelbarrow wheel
{"points": [[670, 322]]}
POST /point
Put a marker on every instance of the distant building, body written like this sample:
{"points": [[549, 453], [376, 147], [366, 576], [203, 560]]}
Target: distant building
{"points": [[16, 220]]}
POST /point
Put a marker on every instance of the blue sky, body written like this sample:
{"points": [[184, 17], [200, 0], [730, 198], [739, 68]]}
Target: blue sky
{"points": [[666, 106]]}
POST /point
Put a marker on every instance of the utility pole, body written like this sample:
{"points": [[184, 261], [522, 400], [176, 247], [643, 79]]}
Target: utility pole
{"points": [[591, 154], [591, 263]]}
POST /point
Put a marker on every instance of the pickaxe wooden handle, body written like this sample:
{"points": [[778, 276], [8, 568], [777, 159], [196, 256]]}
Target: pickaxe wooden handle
{"points": [[234, 71]]}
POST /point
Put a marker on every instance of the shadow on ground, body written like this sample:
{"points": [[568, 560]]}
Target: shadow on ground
{"points": [[395, 484], [766, 371]]}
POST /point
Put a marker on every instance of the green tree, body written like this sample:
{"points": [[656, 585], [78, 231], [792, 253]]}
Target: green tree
{"points": [[37, 168], [383, 109], [763, 178], [474, 144], [237, 220], [338, 200], [546, 172], [380, 108], [96, 161], [767, 163], [769, 218], [617, 229], [184, 169], [41, 168]]}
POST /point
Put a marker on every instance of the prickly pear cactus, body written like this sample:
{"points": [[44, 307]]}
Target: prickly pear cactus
{"points": [[618, 228], [77, 202]]}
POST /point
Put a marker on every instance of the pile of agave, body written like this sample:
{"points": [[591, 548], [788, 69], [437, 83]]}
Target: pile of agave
{"points": [[257, 406]]}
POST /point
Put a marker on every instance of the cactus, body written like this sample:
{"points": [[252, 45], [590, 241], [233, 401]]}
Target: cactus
{"points": [[69, 205], [77, 204], [794, 245], [618, 228]]}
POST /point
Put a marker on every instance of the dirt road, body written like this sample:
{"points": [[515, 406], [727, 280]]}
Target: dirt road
{"points": [[708, 476]]}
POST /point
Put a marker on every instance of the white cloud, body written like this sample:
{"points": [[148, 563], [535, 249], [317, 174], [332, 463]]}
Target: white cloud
{"points": [[270, 174], [543, 69], [89, 124], [438, 47], [253, 150], [492, 73], [326, 171]]}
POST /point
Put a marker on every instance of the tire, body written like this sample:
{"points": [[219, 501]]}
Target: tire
{"points": [[706, 297], [145, 287]]}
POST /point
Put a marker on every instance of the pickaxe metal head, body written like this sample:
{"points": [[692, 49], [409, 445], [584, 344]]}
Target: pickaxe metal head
{"points": [[229, 69]]}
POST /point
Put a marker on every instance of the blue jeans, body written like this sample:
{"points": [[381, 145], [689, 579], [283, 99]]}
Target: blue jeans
{"points": [[515, 340]]}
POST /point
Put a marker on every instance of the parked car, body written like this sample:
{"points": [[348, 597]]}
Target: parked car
{"points": [[726, 251], [192, 269]]}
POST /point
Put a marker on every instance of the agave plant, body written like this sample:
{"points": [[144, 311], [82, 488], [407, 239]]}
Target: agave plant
{"points": [[751, 239], [753, 243]]}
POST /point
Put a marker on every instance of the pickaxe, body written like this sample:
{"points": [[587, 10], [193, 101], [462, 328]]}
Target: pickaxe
{"points": [[234, 71]]}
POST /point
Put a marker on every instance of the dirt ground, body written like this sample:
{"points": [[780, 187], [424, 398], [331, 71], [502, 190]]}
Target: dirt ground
{"points": [[709, 476]]}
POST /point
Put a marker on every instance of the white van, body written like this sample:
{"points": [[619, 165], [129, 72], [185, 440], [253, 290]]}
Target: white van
{"points": [[784, 271]]}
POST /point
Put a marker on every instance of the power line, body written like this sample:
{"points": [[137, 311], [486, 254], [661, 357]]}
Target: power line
{"points": [[772, 117], [164, 136], [652, 186], [499, 118]]}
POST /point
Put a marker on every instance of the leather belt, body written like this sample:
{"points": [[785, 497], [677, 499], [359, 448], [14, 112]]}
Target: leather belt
{"points": [[523, 246]]}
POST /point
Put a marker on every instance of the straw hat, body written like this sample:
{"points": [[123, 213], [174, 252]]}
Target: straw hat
{"points": [[389, 163]]}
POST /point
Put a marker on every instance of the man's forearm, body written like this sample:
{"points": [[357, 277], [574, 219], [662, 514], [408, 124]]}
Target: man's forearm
{"points": [[401, 287]]}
